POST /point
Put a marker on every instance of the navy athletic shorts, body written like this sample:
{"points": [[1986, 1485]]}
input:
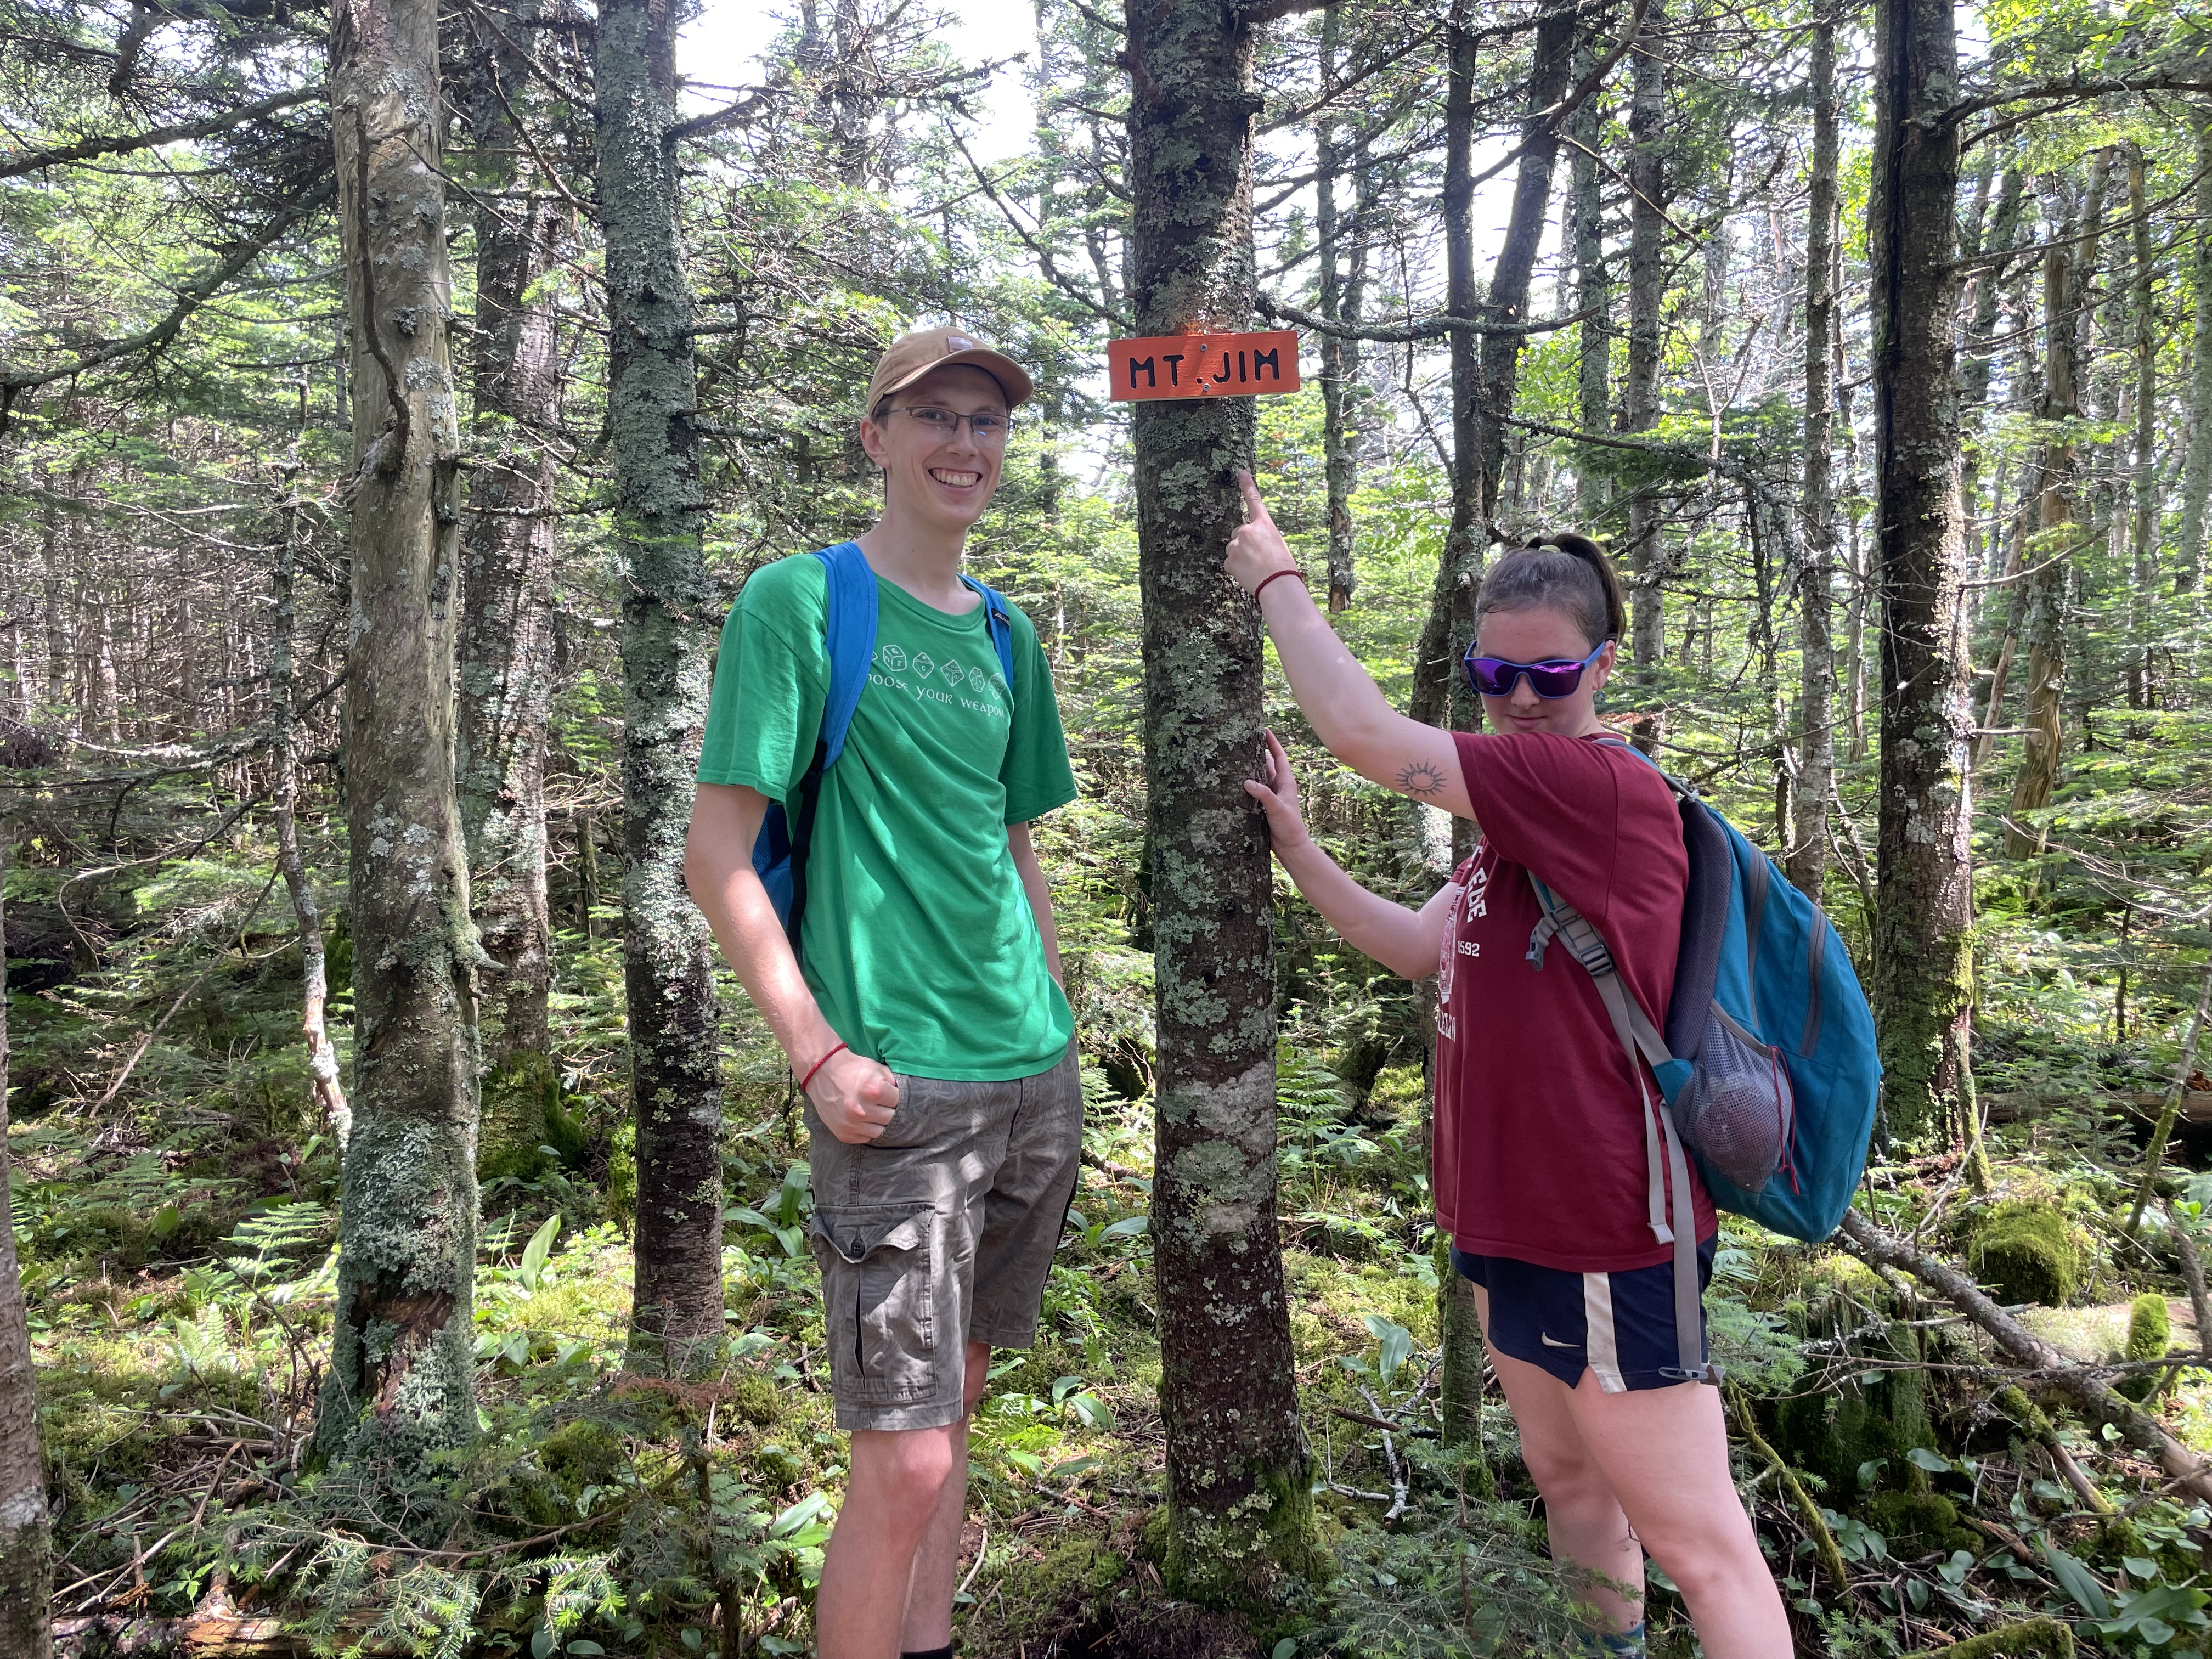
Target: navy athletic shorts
{"points": [[1619, 1325]]}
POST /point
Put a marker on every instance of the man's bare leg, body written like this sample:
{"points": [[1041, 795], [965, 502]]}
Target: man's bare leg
{"points": [[892, 1498], [929, 1592]]}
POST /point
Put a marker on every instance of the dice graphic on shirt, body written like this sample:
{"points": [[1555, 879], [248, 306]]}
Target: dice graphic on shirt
{"points": [[925, 665], [894, 658], [953, 672]]}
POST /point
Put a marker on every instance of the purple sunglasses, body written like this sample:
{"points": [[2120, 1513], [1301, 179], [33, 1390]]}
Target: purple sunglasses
{"points": [[1560, 677]]}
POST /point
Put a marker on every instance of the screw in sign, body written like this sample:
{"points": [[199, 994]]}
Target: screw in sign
{"points": [[1203, 365]]}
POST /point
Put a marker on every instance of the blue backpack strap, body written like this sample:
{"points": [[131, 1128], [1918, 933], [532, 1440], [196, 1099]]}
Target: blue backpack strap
{"points": [[1640, 1041], [1001, 624], [849, 629], [852, 640]]}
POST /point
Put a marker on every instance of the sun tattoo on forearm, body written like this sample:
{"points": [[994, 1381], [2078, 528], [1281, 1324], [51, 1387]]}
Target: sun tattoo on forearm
{"points": [[1422, 780]]}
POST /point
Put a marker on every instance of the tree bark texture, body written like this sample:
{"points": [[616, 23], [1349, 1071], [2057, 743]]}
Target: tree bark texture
{"points": [[402, 1376], [669, 613], [1647, 291], [1239, 1498], [26, 1542], [508, 544], [2070, 266], [2197, 468], [1808, 861], [1923, 909]]}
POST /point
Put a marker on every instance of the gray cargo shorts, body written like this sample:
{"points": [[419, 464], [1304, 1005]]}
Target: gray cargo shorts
{"points": [[939, 1233]]}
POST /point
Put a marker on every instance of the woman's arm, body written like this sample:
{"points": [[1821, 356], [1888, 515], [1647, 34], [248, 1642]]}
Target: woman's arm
{"points": [[1347, 710], [1404, 941]]}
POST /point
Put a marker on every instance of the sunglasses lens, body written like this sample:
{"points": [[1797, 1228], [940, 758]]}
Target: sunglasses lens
{"points": [[1493, 677]]}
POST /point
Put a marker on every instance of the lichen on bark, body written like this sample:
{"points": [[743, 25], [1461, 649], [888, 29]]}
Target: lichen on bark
{"points": [[669, 614], [399, 1388], [1239, 1488]]}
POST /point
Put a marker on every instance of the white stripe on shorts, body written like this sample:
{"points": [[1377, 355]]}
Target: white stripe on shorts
{"points": [[1597, 1314]]}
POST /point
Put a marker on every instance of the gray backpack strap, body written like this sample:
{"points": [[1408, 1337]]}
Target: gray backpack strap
{"points": [[1640, 1041]]}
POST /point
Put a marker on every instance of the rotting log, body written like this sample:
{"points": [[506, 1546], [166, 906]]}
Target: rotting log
{"points": [[2194, 1106], [2090, 1394]]}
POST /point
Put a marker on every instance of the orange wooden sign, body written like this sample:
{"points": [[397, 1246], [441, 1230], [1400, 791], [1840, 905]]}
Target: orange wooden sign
{"points": [[1204, 365]]}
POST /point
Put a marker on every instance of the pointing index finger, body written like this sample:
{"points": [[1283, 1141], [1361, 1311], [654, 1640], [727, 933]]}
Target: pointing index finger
{"points": [[1256, 509]]}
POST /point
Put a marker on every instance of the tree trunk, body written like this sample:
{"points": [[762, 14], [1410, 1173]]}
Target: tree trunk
{"points": [[1240, 1504], [1340, 301], [668, 613], [1593, 294], [1516, 265], [507, 544], [1816, 740], [401, 1384], [2142, 538], [25, 1544], [2197, 469], [306, 914], [2068, 268], [1441, 696], [1647, 288], [1923, 901]]}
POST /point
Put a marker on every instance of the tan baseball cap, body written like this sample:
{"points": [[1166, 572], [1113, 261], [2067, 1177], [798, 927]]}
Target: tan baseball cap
{"points": [[910, 356]]}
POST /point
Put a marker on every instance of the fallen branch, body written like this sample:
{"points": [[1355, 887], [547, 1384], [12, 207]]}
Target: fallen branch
{"points": [[2084, 1387], [1832, 1558]]}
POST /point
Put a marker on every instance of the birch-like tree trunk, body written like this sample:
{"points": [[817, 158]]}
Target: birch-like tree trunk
{"points": [[401, 1383], [1647, 289], [669, 613], [1808, 861], [507, 543], [1240, 1504], [2197, 468], [25, 1543], [329, 1090], [1922, 967]]}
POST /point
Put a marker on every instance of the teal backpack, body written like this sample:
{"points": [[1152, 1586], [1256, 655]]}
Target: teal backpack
{"points": [[1767, 1063]]}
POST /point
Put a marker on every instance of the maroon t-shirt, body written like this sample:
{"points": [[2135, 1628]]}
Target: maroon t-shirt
{"points": [[1538, 1126]]}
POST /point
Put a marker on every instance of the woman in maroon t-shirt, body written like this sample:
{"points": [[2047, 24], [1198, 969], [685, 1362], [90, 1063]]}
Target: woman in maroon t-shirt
{"points": [[1541, 1173]]}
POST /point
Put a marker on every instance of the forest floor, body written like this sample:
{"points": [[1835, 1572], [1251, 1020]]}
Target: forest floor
{"points": [[178, 1251]]}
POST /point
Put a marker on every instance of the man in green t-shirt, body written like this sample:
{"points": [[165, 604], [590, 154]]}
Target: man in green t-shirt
{"points": [[923, 1011]]}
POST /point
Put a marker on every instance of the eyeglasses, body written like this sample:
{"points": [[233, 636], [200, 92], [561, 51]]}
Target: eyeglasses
{"points": [[1557, 676], [945, 423]]}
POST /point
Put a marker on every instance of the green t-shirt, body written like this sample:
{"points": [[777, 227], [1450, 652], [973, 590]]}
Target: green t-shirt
{"points": [[918, 939]]}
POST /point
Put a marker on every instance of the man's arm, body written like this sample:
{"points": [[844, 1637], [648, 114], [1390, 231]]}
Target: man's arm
{"points": [[1040, 892], [855, 1096]]}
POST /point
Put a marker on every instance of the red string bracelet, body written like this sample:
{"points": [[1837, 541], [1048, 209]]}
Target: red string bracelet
{"points": [[1278, 576], [814, 1067]]}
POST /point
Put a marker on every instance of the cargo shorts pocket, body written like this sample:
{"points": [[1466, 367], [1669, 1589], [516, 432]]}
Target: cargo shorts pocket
{"points": [[878, 1288]]}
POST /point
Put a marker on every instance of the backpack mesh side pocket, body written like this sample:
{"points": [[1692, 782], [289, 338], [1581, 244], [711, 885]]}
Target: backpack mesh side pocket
{"points": [[1735, 1111]]}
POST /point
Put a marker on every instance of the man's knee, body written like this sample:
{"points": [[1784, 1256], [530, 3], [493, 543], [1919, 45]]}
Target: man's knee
{"points": [[908, 1466]]}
